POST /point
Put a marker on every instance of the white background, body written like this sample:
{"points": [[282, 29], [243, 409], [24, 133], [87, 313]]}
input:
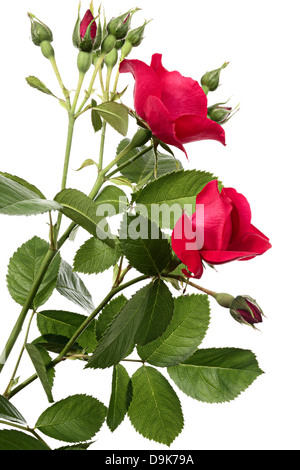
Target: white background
{"points": [[260, 39]]}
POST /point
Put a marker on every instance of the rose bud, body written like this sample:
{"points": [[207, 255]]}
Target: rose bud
{"points": [[87, 35], [245, 310], [39, 31], [219, 231], [119, 26], [134, 39], [210, 81], [219, 114], [173, 106]]}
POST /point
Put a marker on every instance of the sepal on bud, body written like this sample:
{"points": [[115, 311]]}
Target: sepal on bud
{"points": [[211, 80]]}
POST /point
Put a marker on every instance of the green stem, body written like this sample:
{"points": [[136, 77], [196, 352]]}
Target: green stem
{"points": [[78, 90], [66, 162], [101, 154], [82, 327], [90, 89], [6, 393], [192, 284], [59, 79]]}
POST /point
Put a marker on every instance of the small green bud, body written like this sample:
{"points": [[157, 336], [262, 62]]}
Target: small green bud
{"points": [[84, 61], [211, 79], [111, 58], [119, 26], [133, 39], [108, 43], [39, 31], [47, 49]]}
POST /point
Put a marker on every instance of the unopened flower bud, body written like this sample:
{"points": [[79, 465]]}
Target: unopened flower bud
{"points": [[39, 31], [219, 114], [133, 39], [119, 26], [245, 310], [210, 81], [86, 34]]}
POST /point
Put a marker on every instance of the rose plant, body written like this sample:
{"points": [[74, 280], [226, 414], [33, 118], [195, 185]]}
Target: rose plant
{"points": [[174, 221]]}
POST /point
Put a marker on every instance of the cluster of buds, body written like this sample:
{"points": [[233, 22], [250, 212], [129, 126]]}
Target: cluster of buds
{"points": [[242, 308], [91, 39]]}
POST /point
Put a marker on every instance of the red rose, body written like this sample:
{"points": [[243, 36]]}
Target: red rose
{"points": [[85, 23], [175, 107], [226, 231]]}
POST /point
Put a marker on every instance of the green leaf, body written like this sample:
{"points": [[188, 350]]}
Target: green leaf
{"points": [[37, 354], [36, 83], [115, 197], [171, 193], [79, 446], [76, 418], [216, 375], [120, 397], [159, 306], [23, 183], [22, 270], [143, 169], [155, 410], [115, 114], [83, 211], [61, 323], [144, 245], [96, 118], [9, 412], [87, 162], [95, 257], [108, 315], [73, 288], [183, 335], [17, 440], [117, 340], [56, 343], [18, 199]]}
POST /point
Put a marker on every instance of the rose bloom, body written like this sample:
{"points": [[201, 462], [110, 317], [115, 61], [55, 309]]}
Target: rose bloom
{"points": [[226, 231], [174, 107]]}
